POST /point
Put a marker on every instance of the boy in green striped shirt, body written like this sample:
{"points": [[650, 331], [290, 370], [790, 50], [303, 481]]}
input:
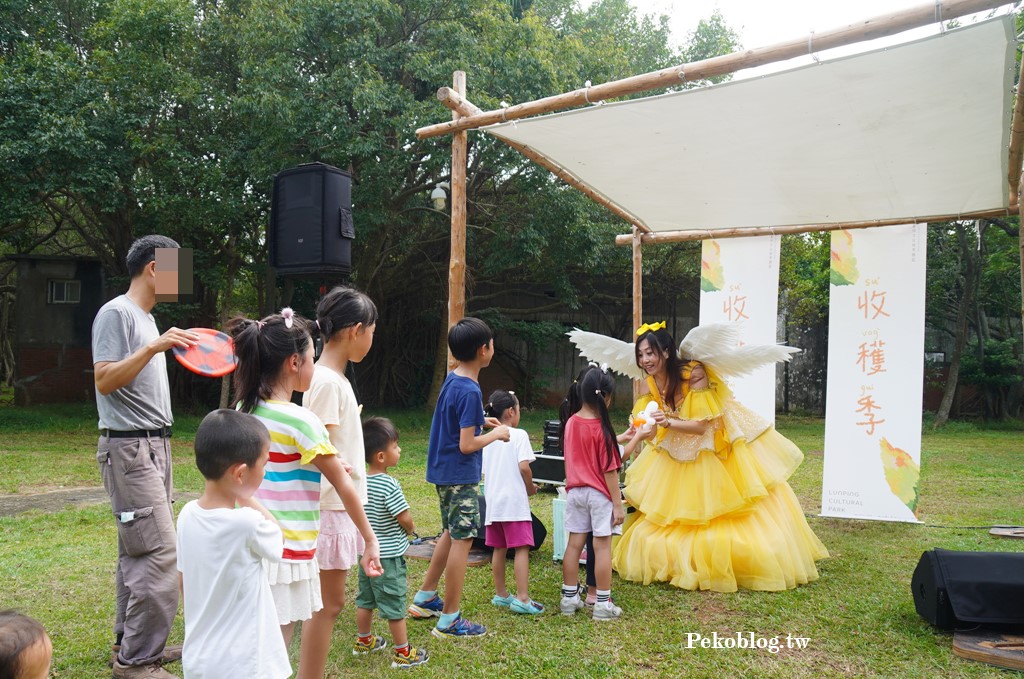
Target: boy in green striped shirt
{"points": [[389, 516]]}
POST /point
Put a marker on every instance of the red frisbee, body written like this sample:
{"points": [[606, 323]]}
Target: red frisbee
{"points": [[214, 356]]}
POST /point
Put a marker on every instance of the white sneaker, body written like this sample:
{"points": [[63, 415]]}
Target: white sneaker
{"points": [[606, 610], [570, 604]]}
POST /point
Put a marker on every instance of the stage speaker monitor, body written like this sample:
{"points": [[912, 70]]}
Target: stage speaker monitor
{"points": [[965, 589], [311, 229]]}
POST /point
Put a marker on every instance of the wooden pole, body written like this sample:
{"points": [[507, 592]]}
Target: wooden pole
{"points": [[1016, 140], [572, 181], [638, 293], [868, 29], [457, 102], [740, 232], [1020, 238], [457, 260]]}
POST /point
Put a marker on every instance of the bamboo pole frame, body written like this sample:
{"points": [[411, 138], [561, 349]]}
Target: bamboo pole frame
{"points": [[466, 116], [741, 232], [638, 292], [868, 29], [1016, 141], [457, 259]]}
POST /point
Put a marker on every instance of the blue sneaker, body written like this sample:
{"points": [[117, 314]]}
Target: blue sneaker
{"points": [[502, 601], [460, 628], [428, 609]]}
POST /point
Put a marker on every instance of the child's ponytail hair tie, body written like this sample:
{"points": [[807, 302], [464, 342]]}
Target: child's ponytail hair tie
{"points": [[289, 317]]}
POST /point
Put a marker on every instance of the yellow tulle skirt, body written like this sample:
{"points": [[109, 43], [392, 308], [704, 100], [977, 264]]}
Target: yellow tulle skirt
{"points": [[725, 519]]}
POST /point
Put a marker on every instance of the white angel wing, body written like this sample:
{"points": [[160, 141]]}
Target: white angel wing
{"points": [[707, 340], [714, 345], [620, 356]]}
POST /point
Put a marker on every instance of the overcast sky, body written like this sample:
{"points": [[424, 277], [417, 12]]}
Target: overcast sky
{"points": [[760, 22]]}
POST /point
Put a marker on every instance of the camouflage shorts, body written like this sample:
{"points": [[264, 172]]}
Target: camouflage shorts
{"points": [[460, 510]]}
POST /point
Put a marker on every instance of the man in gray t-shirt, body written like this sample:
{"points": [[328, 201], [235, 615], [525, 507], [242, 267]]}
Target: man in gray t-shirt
{"points": [[134, 456]]}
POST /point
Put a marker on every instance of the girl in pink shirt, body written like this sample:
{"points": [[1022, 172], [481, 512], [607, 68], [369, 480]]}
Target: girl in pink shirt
{"points": [[593, 500]]}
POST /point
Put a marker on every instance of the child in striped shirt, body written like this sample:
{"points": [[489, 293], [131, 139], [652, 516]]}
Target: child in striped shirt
{"points": [[389, 515], [275, 358]]}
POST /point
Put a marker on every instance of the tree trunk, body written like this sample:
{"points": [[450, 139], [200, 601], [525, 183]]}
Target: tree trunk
{"points": [[966, 300]]}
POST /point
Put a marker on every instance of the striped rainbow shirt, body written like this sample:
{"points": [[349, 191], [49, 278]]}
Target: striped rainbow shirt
{"points": [[291, 486]]}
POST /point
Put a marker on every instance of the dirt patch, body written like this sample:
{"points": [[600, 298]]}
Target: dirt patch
{"points": [[57, 500]]}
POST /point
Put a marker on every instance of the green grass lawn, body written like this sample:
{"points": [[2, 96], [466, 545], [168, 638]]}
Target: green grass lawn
{"points": [[859, 617]]}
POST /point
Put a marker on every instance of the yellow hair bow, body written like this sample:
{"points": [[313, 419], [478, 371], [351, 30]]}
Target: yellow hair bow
{"points": [[649, 328]]}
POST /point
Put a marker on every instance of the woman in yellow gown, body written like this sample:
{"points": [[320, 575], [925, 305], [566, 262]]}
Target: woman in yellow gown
{"points": [[713, 506]]}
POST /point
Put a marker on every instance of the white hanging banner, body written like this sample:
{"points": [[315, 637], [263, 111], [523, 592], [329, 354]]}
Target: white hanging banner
{"points": [[739, 283], [875, 374]]}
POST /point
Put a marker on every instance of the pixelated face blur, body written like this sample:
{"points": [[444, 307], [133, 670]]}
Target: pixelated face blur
{"points": [[35, 660], [392, 454], [362, 340], [252, 476], [652, 359]]}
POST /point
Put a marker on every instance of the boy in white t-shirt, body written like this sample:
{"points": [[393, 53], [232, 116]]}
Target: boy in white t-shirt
{"points": [[231, 626], [508, 483]]}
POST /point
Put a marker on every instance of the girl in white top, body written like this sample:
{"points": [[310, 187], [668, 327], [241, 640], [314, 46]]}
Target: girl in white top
{"points": [[508, 483], [346, 319]]}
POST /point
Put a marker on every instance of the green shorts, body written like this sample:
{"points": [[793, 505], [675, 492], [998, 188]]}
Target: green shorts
{"points": [[460, 510], [387, 592]]}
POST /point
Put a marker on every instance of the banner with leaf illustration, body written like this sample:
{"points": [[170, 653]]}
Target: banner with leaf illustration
{"points": [[875, 374], [739, 283]]}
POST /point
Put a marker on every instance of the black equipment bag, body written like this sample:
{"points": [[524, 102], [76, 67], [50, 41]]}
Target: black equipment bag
{"points": [[958, 588], [540, 531]]}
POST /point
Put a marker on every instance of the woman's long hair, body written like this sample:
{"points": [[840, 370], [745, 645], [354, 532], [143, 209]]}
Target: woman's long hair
{"points": [[661, 340], [261, 348]]}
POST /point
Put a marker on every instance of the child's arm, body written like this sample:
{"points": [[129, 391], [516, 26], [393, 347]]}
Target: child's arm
{"points": [[469, 442], [404, 520], [253, 503], [527, 472], [611, 478], [330, 466], [633, 441]]}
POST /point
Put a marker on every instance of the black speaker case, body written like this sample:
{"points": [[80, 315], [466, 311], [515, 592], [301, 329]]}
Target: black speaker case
{"points": [[311, 226]]}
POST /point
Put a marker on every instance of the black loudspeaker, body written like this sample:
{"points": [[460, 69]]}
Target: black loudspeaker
{"points": [[311, 229], [965, 589]]}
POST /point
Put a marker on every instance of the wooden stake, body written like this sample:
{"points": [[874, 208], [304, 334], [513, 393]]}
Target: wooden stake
{"points": [[457, 260], [1016, 140], [868, 29], [638, 293], [572, 181], [1020, 238], [740, 232]]}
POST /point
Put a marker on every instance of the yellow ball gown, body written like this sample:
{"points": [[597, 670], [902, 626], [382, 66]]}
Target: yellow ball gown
{"points": [[715, 511]]}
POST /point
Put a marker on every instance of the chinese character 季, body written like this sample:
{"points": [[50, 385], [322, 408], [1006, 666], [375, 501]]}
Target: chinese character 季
{"points": [[868, 407]]}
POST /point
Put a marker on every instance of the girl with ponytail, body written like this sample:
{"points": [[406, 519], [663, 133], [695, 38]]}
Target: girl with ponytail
{"points": [[275, 359]]}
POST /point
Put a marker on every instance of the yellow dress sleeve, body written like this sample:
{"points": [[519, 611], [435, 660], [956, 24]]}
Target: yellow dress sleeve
{"points": [[323, 448]]}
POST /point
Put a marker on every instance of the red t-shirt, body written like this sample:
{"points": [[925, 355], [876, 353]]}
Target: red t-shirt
{"points": [[585, 455]]}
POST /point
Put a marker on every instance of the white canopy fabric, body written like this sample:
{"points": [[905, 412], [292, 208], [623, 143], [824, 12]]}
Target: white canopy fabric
{"points": [[911, 131]]}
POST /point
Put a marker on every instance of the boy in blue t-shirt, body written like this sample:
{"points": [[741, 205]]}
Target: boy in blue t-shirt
{"points": [[454, 461]]}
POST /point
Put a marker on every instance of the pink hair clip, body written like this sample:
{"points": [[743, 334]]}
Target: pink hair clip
{"points": [[289, 316]]}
